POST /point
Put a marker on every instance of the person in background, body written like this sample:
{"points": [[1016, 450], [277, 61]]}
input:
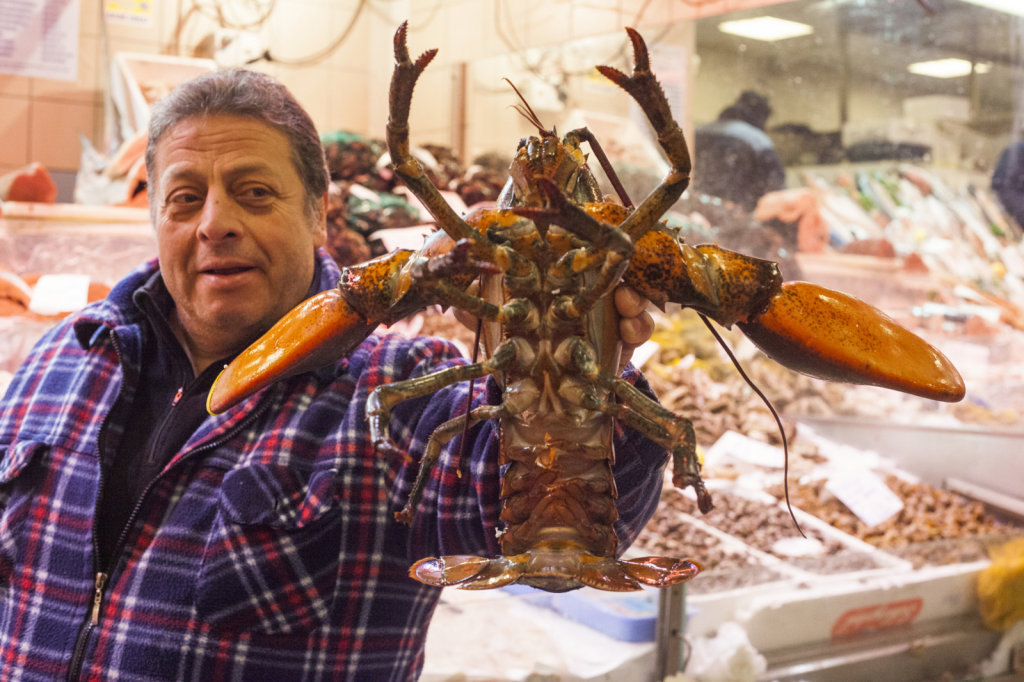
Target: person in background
{"points": [[733, 157], [1008, 180], [142, 538]]}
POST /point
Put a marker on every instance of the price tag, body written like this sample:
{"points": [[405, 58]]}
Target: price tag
{"points": [[866, 495], [736, 446], [57, 294]]}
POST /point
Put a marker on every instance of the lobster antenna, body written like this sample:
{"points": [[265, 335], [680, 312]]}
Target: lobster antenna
{"points": [[771, 408], [469, 400], [606, 166], [527, 112]]}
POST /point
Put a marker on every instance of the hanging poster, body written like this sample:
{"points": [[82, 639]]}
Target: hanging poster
{"points": [[39, 38]]}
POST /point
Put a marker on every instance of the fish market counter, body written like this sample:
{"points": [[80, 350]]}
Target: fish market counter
{"points": [[56, 257], [895, 599]]}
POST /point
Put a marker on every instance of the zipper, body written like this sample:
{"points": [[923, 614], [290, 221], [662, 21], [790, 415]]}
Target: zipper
{"points": [[100, 583], [167, 419], [97, 598], [83, 634]]}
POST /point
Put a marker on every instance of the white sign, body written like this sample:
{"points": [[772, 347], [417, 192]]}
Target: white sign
{"points": [[59, 294], [865, 494], [740, 448], [39, 38]]}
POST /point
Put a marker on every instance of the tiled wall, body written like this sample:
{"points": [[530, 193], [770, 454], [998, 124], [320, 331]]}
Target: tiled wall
{"points": [[41, 120]]}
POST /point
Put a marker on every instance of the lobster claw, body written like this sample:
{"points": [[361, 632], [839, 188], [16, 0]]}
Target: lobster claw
{"points": [[314, 333], [831, 335]]}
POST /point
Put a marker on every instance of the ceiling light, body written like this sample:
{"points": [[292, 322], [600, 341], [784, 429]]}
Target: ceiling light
{"points": [[941, 68], [1009, 6], [765, 28]]}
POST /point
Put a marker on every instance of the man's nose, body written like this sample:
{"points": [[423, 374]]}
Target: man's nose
{"points": [[219, 218]]}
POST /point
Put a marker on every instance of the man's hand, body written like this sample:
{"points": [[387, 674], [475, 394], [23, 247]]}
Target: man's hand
{"points": [[635, 324]]}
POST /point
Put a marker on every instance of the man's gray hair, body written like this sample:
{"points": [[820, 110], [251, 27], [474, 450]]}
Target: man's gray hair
{"points": [[240, 92]]}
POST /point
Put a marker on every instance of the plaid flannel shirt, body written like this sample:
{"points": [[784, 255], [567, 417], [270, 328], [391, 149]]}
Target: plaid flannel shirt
{"points": [[266, 549]]}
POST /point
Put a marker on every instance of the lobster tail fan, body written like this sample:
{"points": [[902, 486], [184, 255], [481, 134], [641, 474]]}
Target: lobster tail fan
{"points": [[629, 575], [661, 571], [471, 572], [468, 571]]}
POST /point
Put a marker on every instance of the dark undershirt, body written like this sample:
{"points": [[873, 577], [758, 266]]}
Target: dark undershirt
{"points": [[166, 407], [169, 405]]}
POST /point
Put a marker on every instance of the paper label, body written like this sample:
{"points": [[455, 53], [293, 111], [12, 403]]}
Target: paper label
{"points": [[866, 495], [736, 446], [131, 12], [57, 294]]}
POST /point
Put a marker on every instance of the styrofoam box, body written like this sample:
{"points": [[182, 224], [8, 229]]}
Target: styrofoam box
{"points": [[829, 611], [625, 616], [134, 74]]}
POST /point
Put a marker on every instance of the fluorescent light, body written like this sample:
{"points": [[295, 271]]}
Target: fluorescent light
{"points": [[1009, 6], [941, 68], [765, 28]]}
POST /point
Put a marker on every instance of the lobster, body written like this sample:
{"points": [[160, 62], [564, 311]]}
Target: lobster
{"points": [[544, 263]]}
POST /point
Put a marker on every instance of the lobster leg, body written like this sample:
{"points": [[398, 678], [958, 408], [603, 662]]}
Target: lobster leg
{"points": [[383, 398], [639, 412], [329, 325], [643, 87], [438, 439], [669, 430], [802, 326], [403, 81]]}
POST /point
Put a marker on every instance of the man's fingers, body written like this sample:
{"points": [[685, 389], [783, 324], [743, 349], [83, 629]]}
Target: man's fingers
{"points": [[636, 330], [629, 302]]}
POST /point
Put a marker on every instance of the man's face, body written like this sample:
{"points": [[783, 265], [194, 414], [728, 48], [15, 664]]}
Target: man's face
{"points": [[235, 238]]}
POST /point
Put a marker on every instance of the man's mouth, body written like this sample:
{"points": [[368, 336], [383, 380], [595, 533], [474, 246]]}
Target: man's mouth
{"points": [[227, 271]]}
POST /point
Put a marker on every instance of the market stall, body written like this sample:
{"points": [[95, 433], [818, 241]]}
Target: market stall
{"points": [[858, 533]]}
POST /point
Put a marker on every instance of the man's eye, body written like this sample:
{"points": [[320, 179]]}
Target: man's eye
{"points": [[184, 198], [257, 192]]}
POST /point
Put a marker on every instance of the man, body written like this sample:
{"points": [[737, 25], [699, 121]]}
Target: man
{"points": [[733, 157], [142, 539], [1008, 180]]}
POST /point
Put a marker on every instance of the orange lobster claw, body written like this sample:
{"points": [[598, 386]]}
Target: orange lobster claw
{"points": [[316, 332], [831, 335]]}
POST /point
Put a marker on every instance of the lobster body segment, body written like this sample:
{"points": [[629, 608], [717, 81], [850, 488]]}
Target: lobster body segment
{"points": [[545, 262]]}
